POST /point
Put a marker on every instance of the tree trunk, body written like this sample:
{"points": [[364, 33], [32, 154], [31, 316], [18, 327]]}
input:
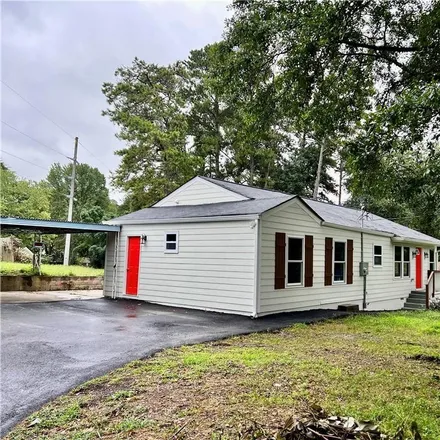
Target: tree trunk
{"points": [[218, 145], [318, 172], [341, 172], [251, 169]]}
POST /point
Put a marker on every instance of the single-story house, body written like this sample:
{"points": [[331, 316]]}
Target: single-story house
{"points": [[221, 246]]}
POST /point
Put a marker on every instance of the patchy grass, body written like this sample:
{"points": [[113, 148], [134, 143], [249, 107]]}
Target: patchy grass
{"points": [[379, 367], [52, 270]]}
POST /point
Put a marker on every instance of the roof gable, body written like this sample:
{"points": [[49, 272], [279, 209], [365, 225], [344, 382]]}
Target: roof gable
{"points": [[199, 191]]}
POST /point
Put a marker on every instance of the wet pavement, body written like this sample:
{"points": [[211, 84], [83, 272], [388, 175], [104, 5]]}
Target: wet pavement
{"points": [[49, 348], [48, 296]]}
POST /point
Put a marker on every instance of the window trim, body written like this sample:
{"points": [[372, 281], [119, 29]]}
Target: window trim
{"points": [[402, 262], [302, 238], [171, 251], [377, 255], [344, 281], [432, 262]]}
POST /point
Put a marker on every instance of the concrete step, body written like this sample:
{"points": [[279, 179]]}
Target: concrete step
{"points": [[418, 292], [420, 299], [413, 306]]}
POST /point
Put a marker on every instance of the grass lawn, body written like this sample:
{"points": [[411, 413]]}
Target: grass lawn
{"points": [[359, 366], [54, 270]]}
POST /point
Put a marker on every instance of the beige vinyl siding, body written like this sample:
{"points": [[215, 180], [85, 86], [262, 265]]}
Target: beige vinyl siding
{"points": [[383, 290], [198, 192], [214, 269]]}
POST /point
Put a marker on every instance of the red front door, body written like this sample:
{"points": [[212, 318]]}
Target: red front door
{"points": [[134, 250], [419, 258]]}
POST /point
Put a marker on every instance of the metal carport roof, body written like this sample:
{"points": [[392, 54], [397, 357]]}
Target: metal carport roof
{"points": [[53, 226]]}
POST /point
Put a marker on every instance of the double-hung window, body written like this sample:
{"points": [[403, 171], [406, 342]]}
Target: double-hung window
{"points": [[295, 261], [431, 259], [171, 243], [339, 262], [377, 256], [401, 261]]}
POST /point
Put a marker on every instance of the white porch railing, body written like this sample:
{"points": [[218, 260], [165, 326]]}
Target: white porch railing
{"points": [[432, 286]]}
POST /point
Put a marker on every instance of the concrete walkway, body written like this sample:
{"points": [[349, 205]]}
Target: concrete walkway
{"points": [[49, 348], [55, 295]]}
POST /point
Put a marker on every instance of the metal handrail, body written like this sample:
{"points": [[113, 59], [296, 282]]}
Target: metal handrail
{"points": [[430, 279]]}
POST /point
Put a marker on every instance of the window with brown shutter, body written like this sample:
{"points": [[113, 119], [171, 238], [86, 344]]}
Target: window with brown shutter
{"points": [[280, 260], [349, 261], [328, 265], [308, 261]]}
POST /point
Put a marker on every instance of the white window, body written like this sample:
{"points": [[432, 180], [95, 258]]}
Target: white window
{"points": [[431, 259], [401, 261], [295, 261], [339, 262], [377, 256], [171, 243]]}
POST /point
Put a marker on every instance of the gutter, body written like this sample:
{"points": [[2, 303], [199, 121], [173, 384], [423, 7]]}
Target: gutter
{"points": [[225, 218], [397, 239], [351, 228]]}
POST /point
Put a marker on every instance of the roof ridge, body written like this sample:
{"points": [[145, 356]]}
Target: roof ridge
{"points": [[244, 185]]}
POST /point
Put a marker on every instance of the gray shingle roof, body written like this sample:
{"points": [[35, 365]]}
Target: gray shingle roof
{"points": [[261, 200], [246, 191], [241, 207], [350, 217]]}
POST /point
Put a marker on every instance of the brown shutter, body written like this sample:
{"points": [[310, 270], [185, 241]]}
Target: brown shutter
{"points": [[328, 261], [280, 260], [308, 261], [349, 261]]}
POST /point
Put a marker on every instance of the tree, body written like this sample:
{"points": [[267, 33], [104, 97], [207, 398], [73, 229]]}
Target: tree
{"points": [[147, 104], [21, 197], [91, 205], [361, 75], [297, 174]]}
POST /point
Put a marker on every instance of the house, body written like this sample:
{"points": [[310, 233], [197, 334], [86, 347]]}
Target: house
{"points": [[220, 246]]}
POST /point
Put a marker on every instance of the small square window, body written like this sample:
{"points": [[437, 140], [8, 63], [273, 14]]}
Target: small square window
{"points": [[377, 256], [171, 243]]}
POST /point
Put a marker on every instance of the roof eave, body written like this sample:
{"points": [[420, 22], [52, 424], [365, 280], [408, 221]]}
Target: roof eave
{"points": [[219, 218], [399, 239]]}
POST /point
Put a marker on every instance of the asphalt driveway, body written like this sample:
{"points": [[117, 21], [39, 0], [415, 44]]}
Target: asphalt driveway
{"points": [[49, 348]]}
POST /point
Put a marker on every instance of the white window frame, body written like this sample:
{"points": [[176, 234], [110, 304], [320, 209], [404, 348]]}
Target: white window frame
{"points": [[432, 262], [344, 281], [171, 251], [295, 261], [378, 255], [402, 262]]}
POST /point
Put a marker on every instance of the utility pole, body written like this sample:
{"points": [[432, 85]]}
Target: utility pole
{"points": [[71, 197]]}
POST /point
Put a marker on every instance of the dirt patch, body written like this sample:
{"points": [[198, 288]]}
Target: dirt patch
{"points": [[426, 358]]}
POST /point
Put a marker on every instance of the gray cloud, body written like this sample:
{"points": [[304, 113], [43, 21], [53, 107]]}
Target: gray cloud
{"points": [[58, 54]]}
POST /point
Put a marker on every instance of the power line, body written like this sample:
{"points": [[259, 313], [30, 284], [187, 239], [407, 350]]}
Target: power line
{"points": [[33, 139], [24, 160], [36, 108], [53, 122]]}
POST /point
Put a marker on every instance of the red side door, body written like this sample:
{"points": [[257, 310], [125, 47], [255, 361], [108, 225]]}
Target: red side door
{"points": [[419, 268], [134, 250]]}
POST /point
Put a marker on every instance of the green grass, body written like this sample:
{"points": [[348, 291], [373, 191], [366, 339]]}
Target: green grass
{"points": [[52, 270], [359, 366]]}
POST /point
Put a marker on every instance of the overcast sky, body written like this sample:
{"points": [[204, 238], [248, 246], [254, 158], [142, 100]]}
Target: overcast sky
{"points": [[57, 55]]}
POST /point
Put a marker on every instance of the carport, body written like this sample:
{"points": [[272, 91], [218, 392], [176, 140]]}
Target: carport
{"points": [[39, 226]]}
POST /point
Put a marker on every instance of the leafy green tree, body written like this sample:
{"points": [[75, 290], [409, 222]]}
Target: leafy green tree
{"points": [[23, 198], [298, 173], [91, 205], [147, 104]]}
